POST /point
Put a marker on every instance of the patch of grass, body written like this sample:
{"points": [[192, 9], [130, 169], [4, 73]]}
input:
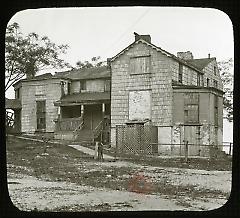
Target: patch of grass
{"points": [[64, 163], [192, 163]]}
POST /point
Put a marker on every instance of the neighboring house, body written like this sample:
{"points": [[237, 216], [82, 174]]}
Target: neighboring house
{"points": [[61, 103], [179, 95]]}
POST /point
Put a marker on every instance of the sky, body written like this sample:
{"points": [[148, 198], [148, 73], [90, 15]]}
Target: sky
{"points": [[105, 31]]}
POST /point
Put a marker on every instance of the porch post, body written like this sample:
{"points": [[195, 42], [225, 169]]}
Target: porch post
{"points": [[103, 107], [82, 109], [59, 112]]}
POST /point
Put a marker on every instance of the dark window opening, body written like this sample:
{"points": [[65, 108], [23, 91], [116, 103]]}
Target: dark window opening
{"points": [[215, 84], [216, 110], [82, 85], [62, 88], [207, 82], [68, 88], [17, 93], [215, 70], [198, 79], [180, 73]]}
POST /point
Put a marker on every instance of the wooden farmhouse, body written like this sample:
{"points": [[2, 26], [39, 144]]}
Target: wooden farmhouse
{"points": [[145, 98]]}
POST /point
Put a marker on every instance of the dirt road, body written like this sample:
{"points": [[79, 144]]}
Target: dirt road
{"points": [[65, 180]]}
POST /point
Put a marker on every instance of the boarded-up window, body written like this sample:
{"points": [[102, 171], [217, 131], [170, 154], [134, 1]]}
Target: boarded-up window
{"points": [[140, 65], [41, 114], [139, 105], [191, 108]]}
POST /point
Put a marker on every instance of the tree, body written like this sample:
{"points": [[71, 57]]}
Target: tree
{"points": [[95, 62], [226, 73], [26, 55]]}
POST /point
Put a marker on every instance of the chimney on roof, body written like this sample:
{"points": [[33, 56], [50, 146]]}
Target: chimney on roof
{"points": [[147, 38], [209, 55], [185, 55]]}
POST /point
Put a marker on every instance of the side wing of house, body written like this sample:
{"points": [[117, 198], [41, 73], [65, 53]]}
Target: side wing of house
{"points": [[38, 110], [198, 110]]}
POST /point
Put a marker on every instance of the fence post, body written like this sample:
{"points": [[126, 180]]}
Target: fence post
{"points": [[186, 151]]}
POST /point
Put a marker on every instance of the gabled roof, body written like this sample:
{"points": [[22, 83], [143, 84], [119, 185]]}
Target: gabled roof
{"points": [[45, 76], [200, 63], [158, 49], [88, 73]]}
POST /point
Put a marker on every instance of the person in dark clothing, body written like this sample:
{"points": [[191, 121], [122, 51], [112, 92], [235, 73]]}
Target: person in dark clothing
{"points": [[100, 151]]}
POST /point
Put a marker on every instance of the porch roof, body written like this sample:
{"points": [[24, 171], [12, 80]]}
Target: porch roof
{"points": [[84, 98], [12, 104]]}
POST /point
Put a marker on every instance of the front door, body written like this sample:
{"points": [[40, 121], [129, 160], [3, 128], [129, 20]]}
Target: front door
{"points": [[41, 115], [192, 135], [92, 116]]}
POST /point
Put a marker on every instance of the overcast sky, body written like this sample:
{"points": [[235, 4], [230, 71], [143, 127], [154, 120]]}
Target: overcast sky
{"points": [[106, 31]]}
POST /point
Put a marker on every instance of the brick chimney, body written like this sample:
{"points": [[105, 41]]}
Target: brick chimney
{"points": [[147, 38], [185, 55]]}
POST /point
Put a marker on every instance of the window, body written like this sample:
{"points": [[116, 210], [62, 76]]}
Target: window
{"points": [[68, 88], [17, 93], [140, 65], [83, 84], [215, 70], [215, 84], [107, 85], [191, 108], [216, 110], [198, 79], [207, 82], [180, 73]]}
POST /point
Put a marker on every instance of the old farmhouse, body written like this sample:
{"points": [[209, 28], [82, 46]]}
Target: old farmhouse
{"points": [[145, 95]]}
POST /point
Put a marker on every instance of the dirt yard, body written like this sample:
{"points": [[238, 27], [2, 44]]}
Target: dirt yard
{"points": [[61, 178]]}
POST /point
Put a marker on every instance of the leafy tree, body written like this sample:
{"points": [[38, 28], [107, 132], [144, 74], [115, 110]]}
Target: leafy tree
{"points": [[226, 72], [26, 55], [95, 62]]}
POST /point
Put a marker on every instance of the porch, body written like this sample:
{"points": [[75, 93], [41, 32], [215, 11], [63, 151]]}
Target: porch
{"points": [[13, 115], [83, 117]]}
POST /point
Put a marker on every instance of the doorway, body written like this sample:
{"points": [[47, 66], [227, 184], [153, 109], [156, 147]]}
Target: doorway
{"points": [[92, 116], [41, 114]]}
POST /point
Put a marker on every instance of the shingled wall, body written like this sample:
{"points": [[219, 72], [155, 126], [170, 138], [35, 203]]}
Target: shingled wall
{"points": [[158, 81], [32, 91]]}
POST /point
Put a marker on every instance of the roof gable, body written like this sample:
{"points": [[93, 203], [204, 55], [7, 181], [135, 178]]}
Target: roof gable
{"points": [[200, 63], [168, 54]]}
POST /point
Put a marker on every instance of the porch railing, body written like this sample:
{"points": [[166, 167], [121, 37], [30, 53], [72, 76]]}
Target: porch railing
{"points": [[79, 127], [98, 129], [68, 124]]}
